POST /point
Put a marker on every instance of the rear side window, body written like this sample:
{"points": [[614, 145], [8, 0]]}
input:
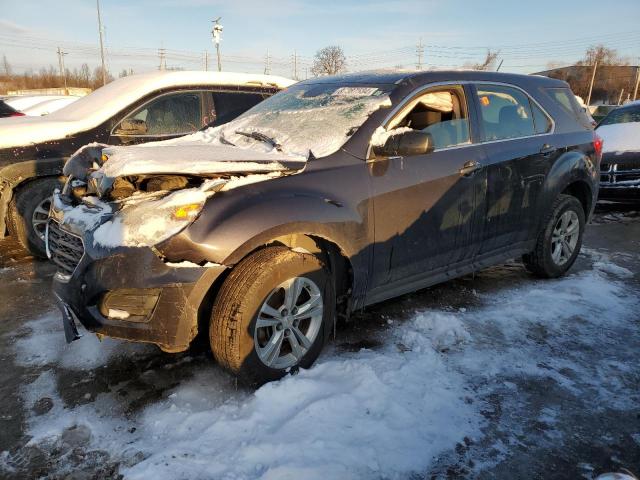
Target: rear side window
{"points": [[567, 100], [229, 105], [622, 115], [540, 119], [505, 113]]}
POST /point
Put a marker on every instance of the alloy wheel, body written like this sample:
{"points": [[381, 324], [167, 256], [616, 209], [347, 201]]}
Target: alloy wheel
{"points": [[40, 217], [565, 237], [288, 322]]}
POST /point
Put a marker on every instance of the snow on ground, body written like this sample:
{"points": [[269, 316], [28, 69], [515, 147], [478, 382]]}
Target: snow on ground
{"points": [[376, 413]]}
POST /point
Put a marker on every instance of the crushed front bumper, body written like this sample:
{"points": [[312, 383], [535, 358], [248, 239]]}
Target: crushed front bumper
{"points": [[132, 294]]}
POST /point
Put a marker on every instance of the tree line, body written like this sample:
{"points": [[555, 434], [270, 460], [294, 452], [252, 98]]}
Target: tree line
{"points": [[50, 77], [612, 78]]}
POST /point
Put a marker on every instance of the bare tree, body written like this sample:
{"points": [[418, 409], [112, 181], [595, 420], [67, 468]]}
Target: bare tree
{"points": [[329, 61], [489, 61], [602, 55]]}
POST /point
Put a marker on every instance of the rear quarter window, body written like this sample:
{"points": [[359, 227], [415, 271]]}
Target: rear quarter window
{"points": [[565, 98]]}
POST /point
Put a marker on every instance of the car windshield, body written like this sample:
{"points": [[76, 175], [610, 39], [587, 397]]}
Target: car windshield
{"points": [[622, 115], [316, 118]]}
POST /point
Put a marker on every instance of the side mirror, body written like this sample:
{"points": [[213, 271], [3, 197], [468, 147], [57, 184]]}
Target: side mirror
{"points": [[413, 142]]}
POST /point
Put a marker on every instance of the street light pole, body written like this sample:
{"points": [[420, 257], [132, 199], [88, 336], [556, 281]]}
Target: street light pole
{"points": [[593, 77], [63, 72], [216, 32], [104, 70]]}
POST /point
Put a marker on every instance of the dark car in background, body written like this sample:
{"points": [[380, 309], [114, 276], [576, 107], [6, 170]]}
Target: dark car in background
{"points": [[7, 110], [338, 193], [620, 167], [131, 110]]}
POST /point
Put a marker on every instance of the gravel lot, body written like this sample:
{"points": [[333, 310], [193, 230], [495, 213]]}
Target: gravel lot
{"points": [[494, 375]]}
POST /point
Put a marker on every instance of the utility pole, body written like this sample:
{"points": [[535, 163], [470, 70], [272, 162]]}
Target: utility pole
{"points": [[295, 65], [635, 90], [419, 54], [593, 77], [63, 72], [206, 61], [216, 32], [104, 69], [267, 64], [163, 61]]}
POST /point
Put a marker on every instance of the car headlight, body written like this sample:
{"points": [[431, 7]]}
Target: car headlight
{"points": [[149, 222]]}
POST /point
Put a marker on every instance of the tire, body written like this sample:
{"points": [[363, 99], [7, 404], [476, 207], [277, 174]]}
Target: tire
{"points": [[255, 289], [544, 261], [29, 204]]}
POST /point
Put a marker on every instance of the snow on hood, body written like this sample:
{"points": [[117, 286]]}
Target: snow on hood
{"points": [[194, 158], [102, 104], [620, 137]]}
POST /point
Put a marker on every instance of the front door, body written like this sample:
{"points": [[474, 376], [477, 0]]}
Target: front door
{"points": [[167, 116], [428, 208]]}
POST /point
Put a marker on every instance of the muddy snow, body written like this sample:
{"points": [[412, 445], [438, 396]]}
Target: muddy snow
{"points": [[433, 386]]}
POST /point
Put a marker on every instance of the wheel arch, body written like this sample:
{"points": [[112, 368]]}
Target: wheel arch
{"points": [[18, 176], [575, 174]]}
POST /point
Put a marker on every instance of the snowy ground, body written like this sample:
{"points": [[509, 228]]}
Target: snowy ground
{"points": [[496, 375]]}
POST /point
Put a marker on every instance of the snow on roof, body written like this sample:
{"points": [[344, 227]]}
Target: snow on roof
{"points": [[102, 104]]}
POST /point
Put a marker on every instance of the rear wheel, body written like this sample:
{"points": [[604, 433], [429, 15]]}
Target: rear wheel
{"points": [[559, 243], [270, 314], [28, 214]]}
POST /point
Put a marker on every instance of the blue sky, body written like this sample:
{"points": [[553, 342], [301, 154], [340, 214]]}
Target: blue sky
{"points": [[373, 34]]}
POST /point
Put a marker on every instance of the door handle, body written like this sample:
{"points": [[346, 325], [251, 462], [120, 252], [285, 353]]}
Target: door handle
{"points": [[547, 149], [470, 168]]}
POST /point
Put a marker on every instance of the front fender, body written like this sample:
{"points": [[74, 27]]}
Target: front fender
{"points": [[16, 173], [227, 231]]}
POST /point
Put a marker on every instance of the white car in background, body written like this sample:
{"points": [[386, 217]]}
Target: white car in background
{"points": [[620, 166], [134, 109], [49, 105]]}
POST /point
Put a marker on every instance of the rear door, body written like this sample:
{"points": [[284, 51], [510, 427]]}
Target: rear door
{"points": [[428, 208], [516, 133]]}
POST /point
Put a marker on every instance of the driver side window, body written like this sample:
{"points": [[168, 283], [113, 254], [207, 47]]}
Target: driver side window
{"points": [[442, 113], [168, 115]]}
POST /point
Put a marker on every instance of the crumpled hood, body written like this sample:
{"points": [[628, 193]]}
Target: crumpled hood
{"points": [[194, 158]]}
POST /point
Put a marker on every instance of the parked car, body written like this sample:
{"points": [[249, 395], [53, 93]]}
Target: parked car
{"points": [[8, 111], [30, 103], [620, 167], [339, 192], [133, 109], [598, 112], [49, 106]]}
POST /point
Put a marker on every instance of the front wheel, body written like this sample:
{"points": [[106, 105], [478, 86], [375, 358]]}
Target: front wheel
{"points": [[270, 314], [28, 214], [559, 243]]}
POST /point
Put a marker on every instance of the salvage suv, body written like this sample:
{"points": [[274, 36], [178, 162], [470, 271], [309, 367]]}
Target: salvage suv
{"points": [[337, 193], [133, 109]]}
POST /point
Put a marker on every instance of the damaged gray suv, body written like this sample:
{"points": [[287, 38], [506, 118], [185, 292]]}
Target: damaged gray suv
{"points": [[337, 193]]}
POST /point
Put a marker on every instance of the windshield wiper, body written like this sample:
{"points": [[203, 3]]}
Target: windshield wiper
{"points": [[224, 140], [261, 137]]}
